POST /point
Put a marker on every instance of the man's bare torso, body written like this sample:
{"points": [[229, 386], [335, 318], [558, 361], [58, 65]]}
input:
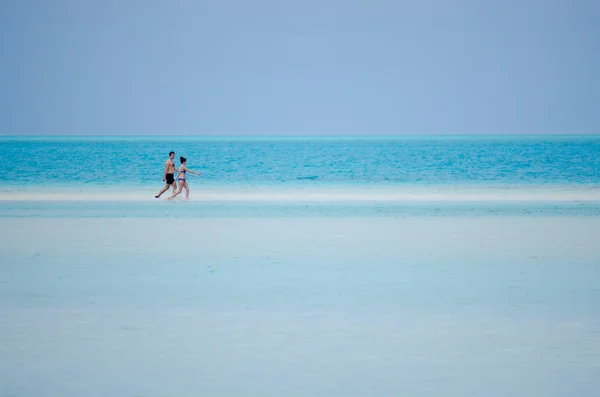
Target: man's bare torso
{"points": [[170, 166]]}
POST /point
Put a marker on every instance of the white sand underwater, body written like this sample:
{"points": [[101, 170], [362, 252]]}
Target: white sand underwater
{"points": [[300, 306]]}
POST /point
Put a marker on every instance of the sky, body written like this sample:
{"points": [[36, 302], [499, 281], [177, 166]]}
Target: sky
{"points": [[309, 67]]}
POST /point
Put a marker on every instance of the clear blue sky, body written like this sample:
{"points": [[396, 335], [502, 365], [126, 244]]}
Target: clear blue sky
{"points": [[316, 67]]}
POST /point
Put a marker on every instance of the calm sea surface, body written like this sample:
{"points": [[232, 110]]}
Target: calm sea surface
{"points": [[135, 161]]}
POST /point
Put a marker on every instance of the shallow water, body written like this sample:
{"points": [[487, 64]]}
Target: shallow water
{"points": [[458, 305]]}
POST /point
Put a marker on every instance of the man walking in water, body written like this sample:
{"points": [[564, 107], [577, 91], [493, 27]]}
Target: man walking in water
{"points": [[168, 176]]}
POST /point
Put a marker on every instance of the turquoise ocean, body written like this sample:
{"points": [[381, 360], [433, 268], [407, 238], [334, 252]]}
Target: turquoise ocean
{"points": [[329, 266], [289, 161]]}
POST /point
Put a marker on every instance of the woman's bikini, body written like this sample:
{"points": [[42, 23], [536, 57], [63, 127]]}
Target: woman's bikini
{"points": [[182, 179]]}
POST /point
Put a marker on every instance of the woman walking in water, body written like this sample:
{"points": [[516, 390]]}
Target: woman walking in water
{"points": [[181, 178]]}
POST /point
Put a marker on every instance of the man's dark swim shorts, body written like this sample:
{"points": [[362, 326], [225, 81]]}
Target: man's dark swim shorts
{"points": [[170, 179]]}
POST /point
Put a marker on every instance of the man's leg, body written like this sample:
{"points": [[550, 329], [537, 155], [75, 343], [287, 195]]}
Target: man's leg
{"points": [[164, 189]]}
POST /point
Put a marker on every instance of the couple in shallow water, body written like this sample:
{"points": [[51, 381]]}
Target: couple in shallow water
{"points": [[171, 180]]}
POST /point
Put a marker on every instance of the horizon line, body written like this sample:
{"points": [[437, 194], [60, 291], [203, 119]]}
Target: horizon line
{"points": [[299, 136]]}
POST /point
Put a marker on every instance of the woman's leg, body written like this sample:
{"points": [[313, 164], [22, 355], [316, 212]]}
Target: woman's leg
{"points": [[187, 190], [179, 190]]}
